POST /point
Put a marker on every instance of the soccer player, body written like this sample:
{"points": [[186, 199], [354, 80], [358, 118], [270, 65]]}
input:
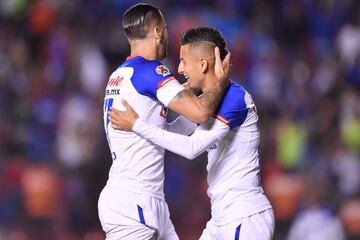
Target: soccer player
{"points": [[132, 205], [239, 208]]}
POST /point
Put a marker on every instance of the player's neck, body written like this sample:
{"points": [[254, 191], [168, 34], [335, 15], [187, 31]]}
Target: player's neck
{"points": [[209, 80], [143, 49]]}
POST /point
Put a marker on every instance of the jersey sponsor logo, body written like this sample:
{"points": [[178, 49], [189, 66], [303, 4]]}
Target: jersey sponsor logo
{"points": [[114, 82], [162, 70], [112, 92]]}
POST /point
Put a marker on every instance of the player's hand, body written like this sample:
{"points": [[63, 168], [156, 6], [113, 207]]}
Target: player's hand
{"points": [[123, 120], [222, 68]]}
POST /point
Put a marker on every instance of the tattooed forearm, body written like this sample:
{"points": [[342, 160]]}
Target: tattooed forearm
{"points": [[211, 98], [186, 93], [194, 91], [180, 95], [208, 99]]}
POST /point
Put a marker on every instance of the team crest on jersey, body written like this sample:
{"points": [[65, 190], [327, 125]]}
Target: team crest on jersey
{"points": [[162, 70]]}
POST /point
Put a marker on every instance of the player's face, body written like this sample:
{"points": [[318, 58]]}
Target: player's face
{"points": [[190, 67]]}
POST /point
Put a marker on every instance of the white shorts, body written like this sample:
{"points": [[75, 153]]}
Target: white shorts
{"points": [[259, 226], [132, 216]]}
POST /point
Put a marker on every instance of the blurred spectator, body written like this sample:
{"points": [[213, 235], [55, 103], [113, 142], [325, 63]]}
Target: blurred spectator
{"points": [[346, 166], [290, 143], [92, 69], [76, 136], [284, 192], [350, 215], [316, 220], [42, 197]]}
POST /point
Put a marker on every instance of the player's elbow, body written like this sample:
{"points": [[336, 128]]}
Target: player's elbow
{"points": [[201, 116], [194, 150]]}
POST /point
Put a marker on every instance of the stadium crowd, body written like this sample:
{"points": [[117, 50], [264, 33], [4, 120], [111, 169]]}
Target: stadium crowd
{"points": [[300, 59]]}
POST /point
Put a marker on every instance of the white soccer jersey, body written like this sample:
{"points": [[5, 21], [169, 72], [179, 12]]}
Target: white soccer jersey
{"points": [[148, 86], [232, 141]]}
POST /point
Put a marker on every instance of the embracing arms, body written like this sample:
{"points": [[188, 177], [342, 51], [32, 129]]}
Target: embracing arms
{"points": [[187, 146]]}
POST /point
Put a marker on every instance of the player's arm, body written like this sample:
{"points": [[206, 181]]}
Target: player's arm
{"points": [[178, 123], [200, 109], [187, 146], [181, 125]]}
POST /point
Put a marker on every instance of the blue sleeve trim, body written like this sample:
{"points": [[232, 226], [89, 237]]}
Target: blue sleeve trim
{"points": [[149, 76], [233, 109]]}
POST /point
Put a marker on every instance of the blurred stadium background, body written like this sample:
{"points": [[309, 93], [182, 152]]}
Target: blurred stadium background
{"points": [[300, 59]]}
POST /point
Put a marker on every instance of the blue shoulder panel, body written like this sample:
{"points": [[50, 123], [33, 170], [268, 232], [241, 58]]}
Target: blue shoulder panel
{"points": [[148, 75], [233, 110]]}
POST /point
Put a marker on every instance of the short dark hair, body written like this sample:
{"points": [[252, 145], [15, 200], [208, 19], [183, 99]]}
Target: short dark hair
{"points": [[207, 34], [137, 20]]}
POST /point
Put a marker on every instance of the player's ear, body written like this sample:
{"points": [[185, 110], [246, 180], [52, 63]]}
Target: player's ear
{"points": [[158, 32], [204, 65]]}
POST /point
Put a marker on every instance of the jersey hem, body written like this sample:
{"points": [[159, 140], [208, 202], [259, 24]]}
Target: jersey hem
{"points": [[138, 191], [228, 219]]}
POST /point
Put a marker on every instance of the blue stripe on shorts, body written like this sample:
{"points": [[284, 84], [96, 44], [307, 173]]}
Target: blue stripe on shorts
{"points": [[141, 214], [237, 232]]}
